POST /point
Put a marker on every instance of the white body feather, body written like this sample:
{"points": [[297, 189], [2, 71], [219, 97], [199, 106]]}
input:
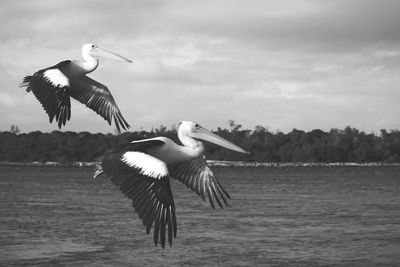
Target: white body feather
{"points": [[147, 164], [56, 77]]}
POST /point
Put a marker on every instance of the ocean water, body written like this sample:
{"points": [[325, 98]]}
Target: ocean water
{"points": [[303, 216]]}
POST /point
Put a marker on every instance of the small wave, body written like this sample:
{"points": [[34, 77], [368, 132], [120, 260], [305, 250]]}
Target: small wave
{"points": [[45, 248]]}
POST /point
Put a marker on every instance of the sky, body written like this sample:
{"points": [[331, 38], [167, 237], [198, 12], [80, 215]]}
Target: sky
{"points": [[284, 64]]}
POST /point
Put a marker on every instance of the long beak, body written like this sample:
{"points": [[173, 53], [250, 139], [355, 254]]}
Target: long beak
{"points": [[206, 135], [101, 52]]}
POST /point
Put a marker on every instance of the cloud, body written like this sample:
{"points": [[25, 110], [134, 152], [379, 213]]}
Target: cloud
{"points": [[282, 64]]}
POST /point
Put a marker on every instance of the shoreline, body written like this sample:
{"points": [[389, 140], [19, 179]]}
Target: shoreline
{"points": [[219, 163]]}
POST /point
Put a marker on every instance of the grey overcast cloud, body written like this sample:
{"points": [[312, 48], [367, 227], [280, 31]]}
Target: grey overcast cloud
{"points": [[304, 64]]}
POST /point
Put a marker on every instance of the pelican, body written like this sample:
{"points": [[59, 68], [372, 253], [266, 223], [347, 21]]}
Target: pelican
{"points": [[54, 86], [141, 170]]}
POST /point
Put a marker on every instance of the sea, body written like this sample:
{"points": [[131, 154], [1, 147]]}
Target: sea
{"points": [[278, 216]]}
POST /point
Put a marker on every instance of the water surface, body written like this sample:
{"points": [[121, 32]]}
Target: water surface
{"points": [[303, 216]]}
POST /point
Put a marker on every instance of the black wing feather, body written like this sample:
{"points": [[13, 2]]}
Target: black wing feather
{"points": [[151, 197], [196, 175], [97, 97], [54, 99]]}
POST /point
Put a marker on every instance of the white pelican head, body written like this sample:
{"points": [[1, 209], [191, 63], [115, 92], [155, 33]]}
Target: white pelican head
{"points": [[98, 52], [194, 130]]}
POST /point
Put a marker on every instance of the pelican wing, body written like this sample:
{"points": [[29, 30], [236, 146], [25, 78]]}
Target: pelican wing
{"points": [[139, 145], [50, 87], [97, 97], [143, 145], [145, 180], [196, 175]]}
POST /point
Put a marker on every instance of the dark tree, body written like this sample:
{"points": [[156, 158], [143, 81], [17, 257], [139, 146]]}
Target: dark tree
{"points": [[347, 145]]}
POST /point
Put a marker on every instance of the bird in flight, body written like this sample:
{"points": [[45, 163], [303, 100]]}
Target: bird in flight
{"points": [[142, 169], [53, 87]]}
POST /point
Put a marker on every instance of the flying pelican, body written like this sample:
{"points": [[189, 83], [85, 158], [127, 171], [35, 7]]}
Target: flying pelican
{"points": [[54, 86], [141, 170]]}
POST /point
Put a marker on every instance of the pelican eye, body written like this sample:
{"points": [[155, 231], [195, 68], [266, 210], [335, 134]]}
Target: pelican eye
{"points": [[93, 46], [196, 126]]}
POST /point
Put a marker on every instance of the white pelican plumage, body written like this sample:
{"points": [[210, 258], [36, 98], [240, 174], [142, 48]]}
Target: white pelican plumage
{"points": [[54, 86], [142, 170]]}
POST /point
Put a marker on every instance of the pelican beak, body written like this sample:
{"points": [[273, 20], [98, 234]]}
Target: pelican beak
{"points": [[101, 52], [204, 134]]}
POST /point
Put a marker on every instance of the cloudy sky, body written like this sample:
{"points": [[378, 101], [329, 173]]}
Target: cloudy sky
{"points": [[284, 64]]}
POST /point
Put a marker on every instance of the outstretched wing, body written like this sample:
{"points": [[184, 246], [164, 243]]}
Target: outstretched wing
{"points": [[145, 180], [50, 87], [97, 97], [196, 175]]}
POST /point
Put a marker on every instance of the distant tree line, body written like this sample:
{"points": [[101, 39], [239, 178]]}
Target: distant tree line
{"points": [[347, 145]]}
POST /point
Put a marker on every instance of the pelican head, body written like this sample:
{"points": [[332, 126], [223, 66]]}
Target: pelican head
{"points": [[194, 130], [98, 52]]}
